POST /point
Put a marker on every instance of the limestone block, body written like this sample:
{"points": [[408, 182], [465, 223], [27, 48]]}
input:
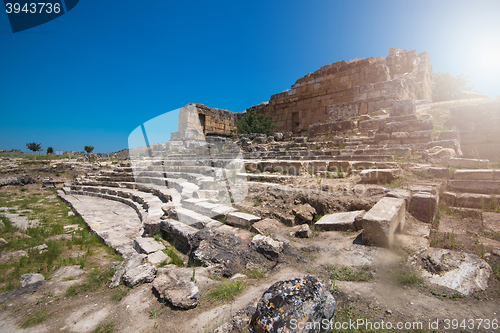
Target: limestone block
{"points": [[340, 221], [468, 163], [147, 245], [158, 257], [382, 220], [242, 220], [423, 206]]}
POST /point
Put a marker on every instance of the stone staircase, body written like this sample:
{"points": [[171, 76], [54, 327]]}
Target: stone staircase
{"points": [[473, 188]]}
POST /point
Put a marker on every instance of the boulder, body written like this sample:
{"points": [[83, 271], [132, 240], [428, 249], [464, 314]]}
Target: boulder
{"points": [[144, 273], [423, 206], [278, 136], [267, 246], [180, 293], [27, 279], [382, 220], [297, 305], [340, 221], [304, 213], [463, 272]]}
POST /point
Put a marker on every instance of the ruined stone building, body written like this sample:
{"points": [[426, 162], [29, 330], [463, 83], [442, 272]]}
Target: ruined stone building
{"points": [[348, 89], [336, 92]]}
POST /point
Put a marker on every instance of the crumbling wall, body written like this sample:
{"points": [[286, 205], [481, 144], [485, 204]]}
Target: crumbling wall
{"points": [[479, 128], [343, 90]]}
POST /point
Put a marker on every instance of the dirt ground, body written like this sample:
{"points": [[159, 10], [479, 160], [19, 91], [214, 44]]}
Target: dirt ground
{"points": [[376, 298]]}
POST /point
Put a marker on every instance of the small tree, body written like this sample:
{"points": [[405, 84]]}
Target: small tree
{"points": [[88, 149], [255, 123], [50, 150], [447, 87], [33, 146]]}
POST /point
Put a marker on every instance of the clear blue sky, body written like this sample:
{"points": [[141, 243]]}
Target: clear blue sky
{"points": [[93, 75]]}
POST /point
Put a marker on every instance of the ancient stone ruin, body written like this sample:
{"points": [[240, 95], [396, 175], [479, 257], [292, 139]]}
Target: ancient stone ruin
{"points": [[359, 180]]}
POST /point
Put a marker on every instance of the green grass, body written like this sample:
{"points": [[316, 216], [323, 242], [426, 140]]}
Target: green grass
{"points": [[119, 292], [406, 277], [93, 281], [176, 260], [105, 328], [255, 273], [345, 273], [226, 292], [36, 318]]}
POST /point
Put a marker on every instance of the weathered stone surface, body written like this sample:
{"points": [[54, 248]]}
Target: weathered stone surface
{"points": [[475, 186], [484, 174], [401, 194], [379, 175], [180, 293], [238, 323], [144, 273], [382, 220], [180, 233], [27, 279], [468, 163], [158, 257], [423, 206], [288, 304], [463, 272], [403, 108], [147, 245], [339, 221], [242, 220], [302, 231], [266, 226], [16, 180], [269, 247], [67, 272], [304, 213]]}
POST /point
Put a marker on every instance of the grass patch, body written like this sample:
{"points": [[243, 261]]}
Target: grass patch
{"points": [[105, 328], [495, 266], [406, 277], [226, 292], [119, 293], [345, 273], [93, 281], [36, 318], [176, 260], [255, 273]]}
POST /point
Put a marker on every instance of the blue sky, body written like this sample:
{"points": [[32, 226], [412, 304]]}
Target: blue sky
{"points": [[91, 76]]}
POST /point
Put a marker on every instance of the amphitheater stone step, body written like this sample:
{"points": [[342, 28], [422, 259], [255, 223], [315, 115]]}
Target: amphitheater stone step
{"points": [[379, 175], [475, 186], [242, 220], [479, 174], [470, 200], [468, 163], [147, 245]]}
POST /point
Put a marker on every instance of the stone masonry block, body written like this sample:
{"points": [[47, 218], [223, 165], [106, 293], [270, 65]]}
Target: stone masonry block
{"points": [[423, 206], [382, 220]]}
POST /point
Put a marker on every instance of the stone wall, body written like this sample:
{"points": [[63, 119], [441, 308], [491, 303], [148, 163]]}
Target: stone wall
{"points": [[479, 128], [343, 90], [198, 120]]}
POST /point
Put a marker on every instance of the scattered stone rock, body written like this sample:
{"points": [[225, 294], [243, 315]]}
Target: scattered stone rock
{"points": [[180, 293], [463, 272], [304, 213], [288, 303], [238, 323], [278, 136], [3, 241], [382, 220], [147, 245], [141, 274], [423, 206], [27, 279], [302, 231], [269, 247], [266, 226], [340, 221], [17, 180]]}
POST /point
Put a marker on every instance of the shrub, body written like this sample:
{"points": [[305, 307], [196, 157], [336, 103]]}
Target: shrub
{"points": [[446, 87], [255, 123]]}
